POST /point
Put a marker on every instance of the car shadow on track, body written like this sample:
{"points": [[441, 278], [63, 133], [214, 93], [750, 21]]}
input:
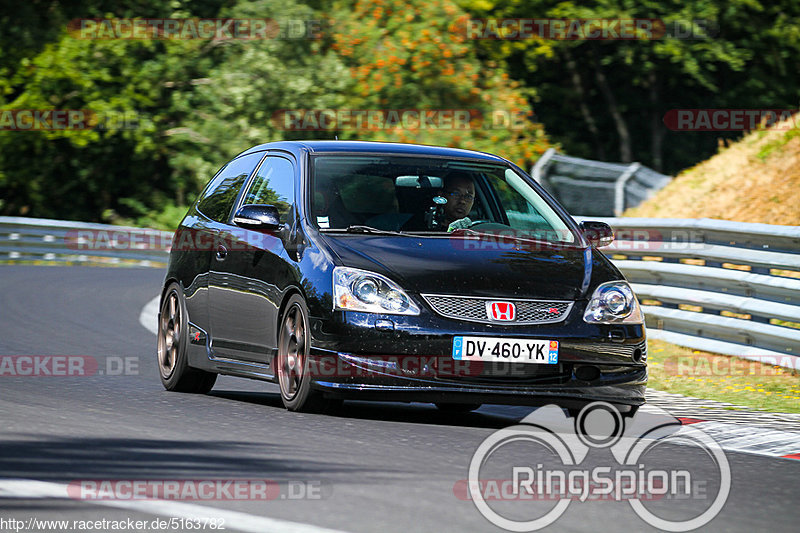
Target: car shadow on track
{"points": [[70, 458], [488, 416]]}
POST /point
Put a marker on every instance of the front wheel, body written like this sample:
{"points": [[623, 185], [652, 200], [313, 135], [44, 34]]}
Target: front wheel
{"points": [[173, 341], [294, 345]]}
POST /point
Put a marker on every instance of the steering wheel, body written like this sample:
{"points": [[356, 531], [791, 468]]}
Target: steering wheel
{"points": [[476, 222]]}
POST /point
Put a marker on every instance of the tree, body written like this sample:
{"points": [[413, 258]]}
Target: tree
{"points": [[415, 55], [607, 99]]}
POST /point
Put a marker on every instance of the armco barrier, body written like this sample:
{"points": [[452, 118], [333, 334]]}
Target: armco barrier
{"points": [[596, 188], [36, 239], [715, 285]]}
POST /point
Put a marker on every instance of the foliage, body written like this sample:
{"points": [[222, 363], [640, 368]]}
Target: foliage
{"points": [[187, 106], [415, 55], [191, 105], [741, 54]]}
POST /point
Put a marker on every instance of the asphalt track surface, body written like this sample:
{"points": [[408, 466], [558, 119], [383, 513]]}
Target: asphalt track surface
{"points": [[371, 466]]}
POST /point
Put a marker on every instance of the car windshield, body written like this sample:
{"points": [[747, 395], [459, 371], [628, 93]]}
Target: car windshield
{"points": [[413, 194]]}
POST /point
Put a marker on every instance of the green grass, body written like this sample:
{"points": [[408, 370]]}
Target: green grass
{"points": [[723, 378], [777, 144]]}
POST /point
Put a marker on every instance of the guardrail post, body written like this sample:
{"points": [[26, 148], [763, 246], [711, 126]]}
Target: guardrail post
{"points": [[619, 187], [538, 167]]}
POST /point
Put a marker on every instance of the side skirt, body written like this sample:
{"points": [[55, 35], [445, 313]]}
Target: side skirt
{"points": [[201, 356]]}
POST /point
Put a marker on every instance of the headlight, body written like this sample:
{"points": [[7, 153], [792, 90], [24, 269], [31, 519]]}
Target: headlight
{"points": [[361, 290], [613, 302]]}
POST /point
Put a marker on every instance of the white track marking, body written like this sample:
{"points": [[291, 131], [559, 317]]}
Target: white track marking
{"points": [[148, 318], [750, 439], [33, 489]]}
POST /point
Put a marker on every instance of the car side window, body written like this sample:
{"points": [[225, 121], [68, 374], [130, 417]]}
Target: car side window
{"points": [[273, 185], [218, 198]]}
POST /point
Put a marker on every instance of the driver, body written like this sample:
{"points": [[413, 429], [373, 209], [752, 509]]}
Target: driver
{"points": [[459, 190]]}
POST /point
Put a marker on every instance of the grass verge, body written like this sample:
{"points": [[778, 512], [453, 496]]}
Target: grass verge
{"points": [[723, 378]]}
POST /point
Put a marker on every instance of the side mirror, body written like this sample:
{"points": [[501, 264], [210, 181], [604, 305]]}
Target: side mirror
{"points": [[597, 233], [258, 217]]}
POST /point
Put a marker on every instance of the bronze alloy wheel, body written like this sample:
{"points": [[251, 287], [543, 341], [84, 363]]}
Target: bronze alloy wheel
{"points": [[292, 360], [169, 334], [173, 341]]}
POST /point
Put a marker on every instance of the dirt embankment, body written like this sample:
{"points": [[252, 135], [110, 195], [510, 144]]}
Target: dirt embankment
{"points": [[756, 179]]}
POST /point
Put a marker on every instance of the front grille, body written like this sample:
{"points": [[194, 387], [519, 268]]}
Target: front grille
{"points": [[473, 309], [605, 348], [520, 374]]}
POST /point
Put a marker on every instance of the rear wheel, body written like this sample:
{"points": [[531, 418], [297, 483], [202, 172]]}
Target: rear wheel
{"points": [[457, 407], [292, 366], [173, 341]]}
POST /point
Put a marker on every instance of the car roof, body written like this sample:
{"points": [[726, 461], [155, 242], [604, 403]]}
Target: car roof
{"points": [[372, 147]]}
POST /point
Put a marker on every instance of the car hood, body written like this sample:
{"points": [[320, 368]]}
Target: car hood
{"points": [[455, 265]]}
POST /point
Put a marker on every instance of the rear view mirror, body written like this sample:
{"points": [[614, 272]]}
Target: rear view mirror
{"points": [[597, 233], [258, 217], [419, 182]]}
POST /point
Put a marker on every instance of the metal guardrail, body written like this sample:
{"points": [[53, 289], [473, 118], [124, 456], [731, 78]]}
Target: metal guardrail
{"points": [[715, 285], [596, 188], [720, 286], [36, 239]]}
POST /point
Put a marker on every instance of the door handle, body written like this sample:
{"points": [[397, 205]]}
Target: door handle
{"points": [[222, 253]]}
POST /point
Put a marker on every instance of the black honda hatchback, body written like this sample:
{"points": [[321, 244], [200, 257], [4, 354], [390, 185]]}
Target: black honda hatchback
{"points": [[398, 272]]}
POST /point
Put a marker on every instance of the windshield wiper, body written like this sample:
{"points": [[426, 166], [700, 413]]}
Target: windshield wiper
{"points": [[356, 228], [471, 233]]}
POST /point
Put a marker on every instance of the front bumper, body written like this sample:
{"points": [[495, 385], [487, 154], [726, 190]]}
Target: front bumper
{"points": [[409, 358]]}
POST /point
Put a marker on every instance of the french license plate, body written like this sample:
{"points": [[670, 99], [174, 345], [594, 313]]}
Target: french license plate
{"points": [[494, 349]]}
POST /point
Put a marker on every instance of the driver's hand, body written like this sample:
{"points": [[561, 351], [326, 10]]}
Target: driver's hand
{"points": [[461, 223]]}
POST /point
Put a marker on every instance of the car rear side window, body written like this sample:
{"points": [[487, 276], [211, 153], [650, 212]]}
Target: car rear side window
{"points": [[273, 185], [218, 198]]}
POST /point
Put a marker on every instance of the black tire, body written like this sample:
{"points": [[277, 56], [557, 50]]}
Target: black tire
{"points": [[630, 413], [292, 363], [173, 341], [457, 407], [627, 411]]}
